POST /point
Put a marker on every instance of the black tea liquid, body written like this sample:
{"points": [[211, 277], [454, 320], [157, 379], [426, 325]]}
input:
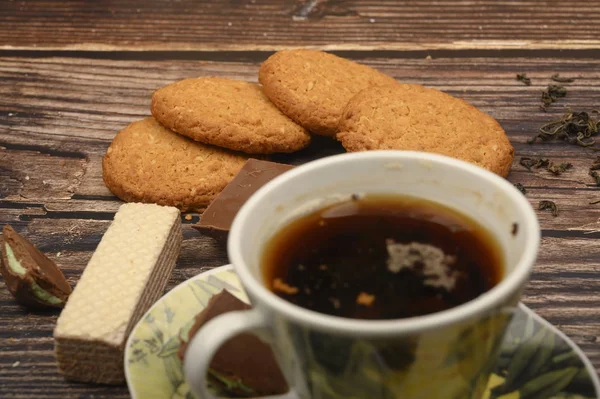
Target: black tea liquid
{"points": [[382, 257]]}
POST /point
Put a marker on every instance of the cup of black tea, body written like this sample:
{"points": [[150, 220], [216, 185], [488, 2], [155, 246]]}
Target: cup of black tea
{"points": [[376, 275]]}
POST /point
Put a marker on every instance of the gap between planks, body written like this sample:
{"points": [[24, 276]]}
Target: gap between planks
{"points": [[257, 55]]}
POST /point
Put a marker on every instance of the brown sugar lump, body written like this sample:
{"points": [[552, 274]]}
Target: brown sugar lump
{"points": [[125, 276], [416, 118], [313, 87], [227, 113], [147, 162]]}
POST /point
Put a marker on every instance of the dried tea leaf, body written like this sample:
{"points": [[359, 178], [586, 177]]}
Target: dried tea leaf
{"points": [[544, 163], [550, 205], [557, 78], [558, 169], [573, 127], [534, 162], [596, 164], [551, 94], [520, 187], [522, 77], [596, 177]]}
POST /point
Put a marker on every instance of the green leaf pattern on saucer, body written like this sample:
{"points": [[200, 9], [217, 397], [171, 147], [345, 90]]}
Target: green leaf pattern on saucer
{"points": [[152, 366], [535, 361]]}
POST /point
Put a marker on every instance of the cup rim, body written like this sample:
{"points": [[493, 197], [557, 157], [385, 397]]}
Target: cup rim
{"points": [[495, 297]]}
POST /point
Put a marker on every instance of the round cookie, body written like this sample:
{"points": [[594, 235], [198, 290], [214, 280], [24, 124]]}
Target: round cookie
{"points": [[148, 163], [412, 117], [227, 113], [313, 87]]}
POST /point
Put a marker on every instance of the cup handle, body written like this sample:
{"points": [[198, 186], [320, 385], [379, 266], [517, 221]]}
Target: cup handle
{"points": [[205, 344]]}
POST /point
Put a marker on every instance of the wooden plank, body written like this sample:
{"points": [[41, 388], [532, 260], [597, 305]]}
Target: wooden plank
{"points": [[185, 25], [72, 107], [58, 116], [51, 100], [576, 217], [563, 264]]}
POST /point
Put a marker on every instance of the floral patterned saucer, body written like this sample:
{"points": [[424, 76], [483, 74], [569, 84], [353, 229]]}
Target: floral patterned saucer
{"points": [[537, 361]]}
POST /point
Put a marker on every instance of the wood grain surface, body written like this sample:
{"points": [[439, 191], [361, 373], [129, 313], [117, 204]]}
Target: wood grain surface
{"points": [[60, 114], [74, 73], [183, 25]]}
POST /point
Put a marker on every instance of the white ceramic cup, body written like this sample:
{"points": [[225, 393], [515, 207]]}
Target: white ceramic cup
{"points": [[442, 355]]}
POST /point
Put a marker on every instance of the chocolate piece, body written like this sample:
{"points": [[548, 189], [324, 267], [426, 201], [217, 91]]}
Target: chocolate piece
{"points": [[244, 365], [33, 279], [217, 218]]}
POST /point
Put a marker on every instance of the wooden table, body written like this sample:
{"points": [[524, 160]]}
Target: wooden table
{"points": [[74, 73]]}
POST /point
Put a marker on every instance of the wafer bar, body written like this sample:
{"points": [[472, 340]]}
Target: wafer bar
{"points": [[125, 276]]}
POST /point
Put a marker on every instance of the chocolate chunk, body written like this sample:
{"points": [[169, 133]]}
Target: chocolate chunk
{"points": [[33, 279], [245, 362], [217, 218]]}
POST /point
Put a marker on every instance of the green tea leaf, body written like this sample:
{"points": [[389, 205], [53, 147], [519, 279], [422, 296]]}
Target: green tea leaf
{"points": [[169, 314], [582, 383], [170, 347], [502, 363], [510, 345], [582, 376], [363, 376], [231, 386], [541, 359], [331, 352], [529, 328], [156, 331], [521, 359], [460, 348], [184, 332], [548, 384], [568, 358], [173, 371]]}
